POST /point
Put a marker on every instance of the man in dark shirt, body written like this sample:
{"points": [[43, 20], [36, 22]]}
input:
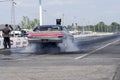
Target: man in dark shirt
{"points": [[6, 35]]}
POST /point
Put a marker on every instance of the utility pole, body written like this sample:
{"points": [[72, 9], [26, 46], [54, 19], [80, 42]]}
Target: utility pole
{"points": [[12, 11], [83, 27], [13, 15], [75, 23], [63, 18], [40, 11]]}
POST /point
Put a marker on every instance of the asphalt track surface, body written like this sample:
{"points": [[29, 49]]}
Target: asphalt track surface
{"points": [[96, 60]]}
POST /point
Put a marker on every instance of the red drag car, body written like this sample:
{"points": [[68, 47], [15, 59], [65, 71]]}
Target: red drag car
{"points": [[49, 34]]}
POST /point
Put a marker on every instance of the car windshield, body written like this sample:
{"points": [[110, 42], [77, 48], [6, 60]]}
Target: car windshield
{"points": [[48, 28]]}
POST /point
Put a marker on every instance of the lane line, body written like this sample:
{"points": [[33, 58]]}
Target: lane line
{"points": [[80, 57]]}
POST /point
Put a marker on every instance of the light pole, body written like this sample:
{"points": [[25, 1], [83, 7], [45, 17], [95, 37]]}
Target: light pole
{"points": [[75, 23], [12, 11], [40, 11], [83, 27], [63, 18], [44, 13]]}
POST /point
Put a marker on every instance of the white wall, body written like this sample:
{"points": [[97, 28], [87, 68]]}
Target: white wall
{"points": [[15, 42]]}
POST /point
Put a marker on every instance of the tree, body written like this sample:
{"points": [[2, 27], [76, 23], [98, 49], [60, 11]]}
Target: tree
{"points": [[26, 23], [115, 26]]}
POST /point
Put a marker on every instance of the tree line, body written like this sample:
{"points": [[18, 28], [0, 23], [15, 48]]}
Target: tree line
{"points": [[100, 27], [26, 23]]}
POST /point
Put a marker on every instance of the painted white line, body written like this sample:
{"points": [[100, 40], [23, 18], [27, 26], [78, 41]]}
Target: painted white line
{"points": [[80, 57]]}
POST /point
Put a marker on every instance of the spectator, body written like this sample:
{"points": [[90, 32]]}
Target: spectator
{"points": [[6, 35]]}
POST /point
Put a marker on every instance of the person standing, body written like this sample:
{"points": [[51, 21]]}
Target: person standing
{"points": [[6, 35]]}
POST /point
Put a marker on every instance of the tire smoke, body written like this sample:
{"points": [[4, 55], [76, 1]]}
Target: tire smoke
{"points": [[30, 48], [68, 45]]}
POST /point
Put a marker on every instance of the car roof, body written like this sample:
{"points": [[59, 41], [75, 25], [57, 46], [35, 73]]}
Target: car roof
{"points": [[49, 25]]}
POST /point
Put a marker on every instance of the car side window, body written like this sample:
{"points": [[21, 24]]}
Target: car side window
{"points": [[36, 28]]}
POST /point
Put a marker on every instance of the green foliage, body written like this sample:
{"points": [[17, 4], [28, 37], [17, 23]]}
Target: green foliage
{"points": [[100, 27], [26, 23]]}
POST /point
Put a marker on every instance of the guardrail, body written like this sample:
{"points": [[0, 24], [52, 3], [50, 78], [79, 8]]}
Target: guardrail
{"points": [[93, 39], [92, 36]]}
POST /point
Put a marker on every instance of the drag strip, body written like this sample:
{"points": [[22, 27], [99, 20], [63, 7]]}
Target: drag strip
{"points": [[63, 66], [87, 54], [89, 49]]}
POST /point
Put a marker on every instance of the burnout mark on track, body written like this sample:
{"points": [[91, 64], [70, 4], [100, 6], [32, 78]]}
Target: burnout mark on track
{"points": [[6, 59]]}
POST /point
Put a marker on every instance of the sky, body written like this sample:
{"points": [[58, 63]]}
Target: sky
{"points": [[82, 12]]}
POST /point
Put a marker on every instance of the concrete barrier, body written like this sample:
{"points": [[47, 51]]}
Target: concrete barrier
{"points": [[92, 35], [15, 42], [1, 43], [96, 40]]}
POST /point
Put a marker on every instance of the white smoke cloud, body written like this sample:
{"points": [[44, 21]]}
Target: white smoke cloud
{"points": [[68, 46]]}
